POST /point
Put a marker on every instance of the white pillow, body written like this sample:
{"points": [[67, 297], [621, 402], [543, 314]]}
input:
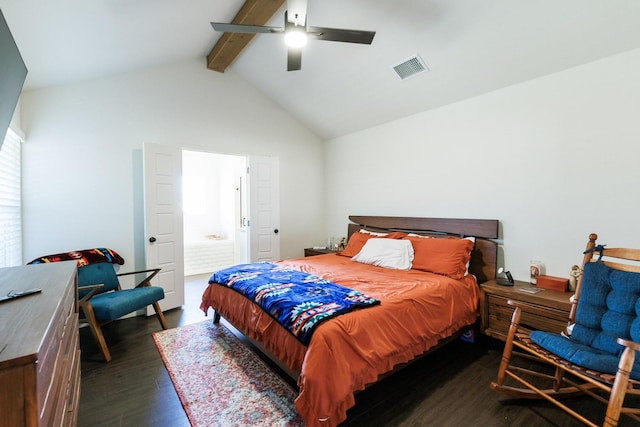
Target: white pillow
{"points": [[388, 253], [373, 233]]}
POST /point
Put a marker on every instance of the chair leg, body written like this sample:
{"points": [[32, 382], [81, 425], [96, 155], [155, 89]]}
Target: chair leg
{"points": [[557, 381], [508, 349], [619, 388], [216, 317], [161, 319], [96, 330]]}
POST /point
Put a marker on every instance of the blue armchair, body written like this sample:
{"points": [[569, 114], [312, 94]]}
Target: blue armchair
{"points": [[101, 299]]}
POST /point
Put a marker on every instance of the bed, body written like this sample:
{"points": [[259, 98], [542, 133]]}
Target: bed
{"points": [[418, 312]]}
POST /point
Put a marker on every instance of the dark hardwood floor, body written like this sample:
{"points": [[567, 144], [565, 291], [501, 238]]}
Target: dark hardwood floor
{"points": [[447, 388]]}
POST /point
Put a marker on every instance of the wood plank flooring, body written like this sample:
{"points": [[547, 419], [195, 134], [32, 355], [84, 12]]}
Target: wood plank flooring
{"points": [[447, 388]]}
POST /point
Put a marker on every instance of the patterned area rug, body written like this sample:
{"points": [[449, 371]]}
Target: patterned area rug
{"points": [[221, 382]]}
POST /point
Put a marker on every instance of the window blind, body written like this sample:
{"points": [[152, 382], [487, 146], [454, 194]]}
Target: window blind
{"points": [[10, 201]]}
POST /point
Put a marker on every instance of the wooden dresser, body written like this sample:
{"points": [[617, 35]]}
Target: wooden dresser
{"points": [[39, 346]]}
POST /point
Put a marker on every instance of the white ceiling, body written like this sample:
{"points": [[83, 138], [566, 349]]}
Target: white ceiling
{"points": [[471, 47]]}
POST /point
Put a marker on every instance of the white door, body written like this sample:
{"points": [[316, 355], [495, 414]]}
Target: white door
{"points": [[164, 246], [264, 208], [241, 248]]}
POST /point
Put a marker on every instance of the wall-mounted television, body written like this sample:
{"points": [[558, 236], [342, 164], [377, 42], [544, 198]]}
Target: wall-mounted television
{"points": [[13, 72]]}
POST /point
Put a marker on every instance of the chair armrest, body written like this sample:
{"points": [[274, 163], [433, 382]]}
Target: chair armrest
{"points": [[146, 280], [632, 345], [154, 270], [93, 290]]}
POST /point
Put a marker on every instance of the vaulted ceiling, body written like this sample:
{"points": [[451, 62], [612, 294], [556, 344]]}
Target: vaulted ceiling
{"points": [[470, 47], [229, 45]]}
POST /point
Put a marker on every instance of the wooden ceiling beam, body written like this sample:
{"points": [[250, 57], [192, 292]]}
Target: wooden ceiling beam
{"points": [[229, 46]]}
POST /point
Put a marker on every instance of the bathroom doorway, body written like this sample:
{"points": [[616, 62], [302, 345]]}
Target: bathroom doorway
{"points": [[215, 216]]}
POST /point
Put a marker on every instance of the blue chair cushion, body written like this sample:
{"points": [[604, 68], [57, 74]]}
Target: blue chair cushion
{"points": [[113, 305], [608, 309], [582, 355], [94, 274]]}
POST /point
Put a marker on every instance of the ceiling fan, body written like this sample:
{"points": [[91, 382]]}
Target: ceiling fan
{"points": [[296, 32]]}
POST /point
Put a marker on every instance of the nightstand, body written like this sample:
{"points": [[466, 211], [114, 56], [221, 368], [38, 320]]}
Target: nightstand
{"points": [[495, 313], [312, 252]]}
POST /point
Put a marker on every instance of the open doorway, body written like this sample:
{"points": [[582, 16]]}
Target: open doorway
{"points": [[214, 213]]}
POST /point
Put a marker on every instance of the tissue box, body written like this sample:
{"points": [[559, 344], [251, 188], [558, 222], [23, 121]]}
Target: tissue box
{"points": [[553, 283]]}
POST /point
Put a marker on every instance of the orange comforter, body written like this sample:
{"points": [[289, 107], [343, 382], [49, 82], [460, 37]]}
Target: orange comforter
{"points": [[351, 350]]}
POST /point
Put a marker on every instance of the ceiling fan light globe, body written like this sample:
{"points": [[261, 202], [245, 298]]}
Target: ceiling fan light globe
{"points": [[295, 38]]}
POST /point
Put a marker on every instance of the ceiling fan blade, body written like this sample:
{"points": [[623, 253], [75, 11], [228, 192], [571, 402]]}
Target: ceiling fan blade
{"points": [[297, 9], [239, 28], [341, 35], [294, 59]]}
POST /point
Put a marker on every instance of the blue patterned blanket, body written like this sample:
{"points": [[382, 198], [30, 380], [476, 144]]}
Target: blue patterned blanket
{"points": [[298, 301]]}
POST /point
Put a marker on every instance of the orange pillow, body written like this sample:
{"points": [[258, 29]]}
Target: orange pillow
{"points": [[446, 256], [396, 235], [357, 241]]}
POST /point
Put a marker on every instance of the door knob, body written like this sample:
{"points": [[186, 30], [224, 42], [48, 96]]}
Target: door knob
{"points": [[152, 239], [276, 231]]}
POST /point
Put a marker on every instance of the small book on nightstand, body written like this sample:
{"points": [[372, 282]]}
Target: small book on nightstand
{"points": [[530, 290]]}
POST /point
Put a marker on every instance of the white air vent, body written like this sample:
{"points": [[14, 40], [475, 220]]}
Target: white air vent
{"points": [[410, 67]]}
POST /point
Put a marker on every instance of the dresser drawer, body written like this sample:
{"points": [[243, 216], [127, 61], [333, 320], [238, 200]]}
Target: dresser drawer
{"points": [[65, 370], [52, 366], [500, 313]]}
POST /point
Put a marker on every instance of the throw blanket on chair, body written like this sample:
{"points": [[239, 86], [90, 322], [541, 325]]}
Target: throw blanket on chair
{"points": [[83, 257], [298, 301]]}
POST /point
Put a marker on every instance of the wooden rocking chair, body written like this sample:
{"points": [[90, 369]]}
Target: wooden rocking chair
{"points": [[596, 356]]}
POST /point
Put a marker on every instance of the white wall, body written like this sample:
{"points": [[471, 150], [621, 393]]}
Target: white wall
{"points": [[83, 155], [15, 123], [553, 159]]}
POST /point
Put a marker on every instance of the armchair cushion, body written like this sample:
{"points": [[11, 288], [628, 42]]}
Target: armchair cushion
{"points": [[101, 273], [608, 309], [113, 305], [580, 354]]}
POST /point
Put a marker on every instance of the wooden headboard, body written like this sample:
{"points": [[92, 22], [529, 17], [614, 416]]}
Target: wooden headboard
{"points": [[484, 255]]}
